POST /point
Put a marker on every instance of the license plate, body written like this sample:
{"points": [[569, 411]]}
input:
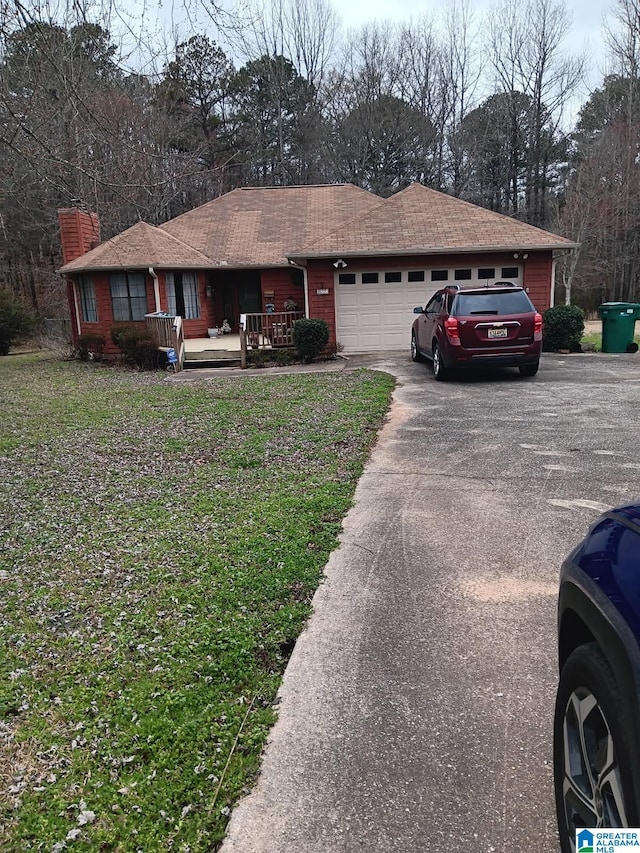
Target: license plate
{"points": [[496, 333]]}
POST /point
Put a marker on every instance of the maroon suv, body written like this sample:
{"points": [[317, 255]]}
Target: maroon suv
{"points": [[478, 327]]}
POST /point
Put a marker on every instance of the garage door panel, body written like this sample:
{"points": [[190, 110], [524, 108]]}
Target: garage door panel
{"points": [[348, 299], [378, 317], [371, 300]]}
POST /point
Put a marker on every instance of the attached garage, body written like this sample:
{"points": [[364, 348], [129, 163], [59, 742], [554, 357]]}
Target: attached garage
{"points": [[374, 308]]}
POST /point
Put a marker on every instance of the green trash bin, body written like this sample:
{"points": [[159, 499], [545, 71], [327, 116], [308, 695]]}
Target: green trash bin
{"points": [[619, 325]]}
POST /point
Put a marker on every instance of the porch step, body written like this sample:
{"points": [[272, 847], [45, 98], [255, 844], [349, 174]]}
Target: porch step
{"points": [[196, 361]]}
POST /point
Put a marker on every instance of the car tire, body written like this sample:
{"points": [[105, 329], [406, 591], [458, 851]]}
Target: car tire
{"points": [[440, 372], [529, 369], [415, 352], [590, 722]]}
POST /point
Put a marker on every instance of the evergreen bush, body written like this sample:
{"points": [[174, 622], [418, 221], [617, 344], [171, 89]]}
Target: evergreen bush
{"points": [[310, 337], [139, 346], [563, 328]]}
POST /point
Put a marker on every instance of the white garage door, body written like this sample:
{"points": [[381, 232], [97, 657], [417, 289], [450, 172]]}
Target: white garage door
{"points": [[374, 310], [375, 316]]}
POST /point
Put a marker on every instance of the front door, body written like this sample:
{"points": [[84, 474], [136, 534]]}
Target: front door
{"points": [[249, 294], [241, 294]]}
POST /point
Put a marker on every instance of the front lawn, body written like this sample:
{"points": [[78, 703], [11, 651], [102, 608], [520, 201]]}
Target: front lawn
{"points": [[159, 547]]}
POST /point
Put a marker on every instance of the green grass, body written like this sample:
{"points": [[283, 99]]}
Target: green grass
{"points": [[159, 547]]}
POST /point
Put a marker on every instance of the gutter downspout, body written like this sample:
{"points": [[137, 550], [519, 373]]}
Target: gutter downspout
{"points": [[305, 282], [156, 288], [76, 304]]}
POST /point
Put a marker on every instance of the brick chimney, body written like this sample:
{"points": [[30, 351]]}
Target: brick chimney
{"points": [[79, 232]]}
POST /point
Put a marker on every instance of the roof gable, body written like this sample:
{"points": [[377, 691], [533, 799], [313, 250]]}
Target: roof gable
{"points": [[139, 247], [420, 220], [259, 226]]}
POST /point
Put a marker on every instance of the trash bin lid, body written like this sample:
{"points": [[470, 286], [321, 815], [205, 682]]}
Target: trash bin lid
{"points": [[619, 308]]}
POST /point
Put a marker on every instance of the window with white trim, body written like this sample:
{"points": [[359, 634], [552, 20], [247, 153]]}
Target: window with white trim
{"points": [[182, 294], [88, 302]]}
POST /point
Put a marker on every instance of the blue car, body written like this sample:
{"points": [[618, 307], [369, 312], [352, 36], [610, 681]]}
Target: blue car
{"points": [[597, 717]]}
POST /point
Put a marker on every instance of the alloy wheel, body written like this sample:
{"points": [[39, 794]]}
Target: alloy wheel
{"points": [[591, 786]]}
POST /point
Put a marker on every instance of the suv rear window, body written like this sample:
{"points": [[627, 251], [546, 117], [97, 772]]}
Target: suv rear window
{"points": [[495, 302]]}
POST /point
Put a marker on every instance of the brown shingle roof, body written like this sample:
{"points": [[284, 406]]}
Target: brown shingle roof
{"points": [[258, 226], [419, 220], [139, 247]]}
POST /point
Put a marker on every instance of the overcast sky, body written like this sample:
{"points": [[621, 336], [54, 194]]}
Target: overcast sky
{"points": [[585, 33]]}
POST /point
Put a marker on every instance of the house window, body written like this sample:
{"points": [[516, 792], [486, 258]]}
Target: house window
{"points": [[347, 278], [128, 296], [462, 275], [182, 294], [391, 277], [88, 304], [486, 272], [415, 275], [510, 272], [439, 275], [370, 277]]}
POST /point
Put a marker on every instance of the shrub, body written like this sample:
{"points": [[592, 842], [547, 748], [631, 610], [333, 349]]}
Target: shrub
{"points": [[563, 328], [285, 357], [310, 337], [279, 357], [90, 346], [258, 357], [15, 321], [121, 335], [139, 346]]}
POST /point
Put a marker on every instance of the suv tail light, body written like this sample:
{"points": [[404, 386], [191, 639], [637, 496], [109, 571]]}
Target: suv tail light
{"points": [[452, 331], [537, 327]]}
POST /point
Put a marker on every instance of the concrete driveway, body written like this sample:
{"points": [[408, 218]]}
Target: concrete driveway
{"points": [[415, 713]]}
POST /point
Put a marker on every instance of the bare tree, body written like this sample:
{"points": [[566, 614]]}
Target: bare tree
{"points": [[528, 58]]}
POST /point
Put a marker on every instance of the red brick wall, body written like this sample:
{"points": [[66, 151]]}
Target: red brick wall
{"points": [[280, 282], [537, 278], [105, 311], [79, 232], [320, 276]]}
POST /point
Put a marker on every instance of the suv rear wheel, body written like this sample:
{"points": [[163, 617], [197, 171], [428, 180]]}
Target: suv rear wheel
{"points": [[529, 369]]}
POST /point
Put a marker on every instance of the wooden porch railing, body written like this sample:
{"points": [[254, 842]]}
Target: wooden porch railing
{"points": [[167, 330], [266, 331]]}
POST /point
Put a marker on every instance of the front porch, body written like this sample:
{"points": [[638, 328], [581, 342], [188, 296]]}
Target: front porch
{"points": [[258, 331]]}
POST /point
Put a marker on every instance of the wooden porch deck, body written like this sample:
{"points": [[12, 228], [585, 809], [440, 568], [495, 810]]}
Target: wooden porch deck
{"points": [[257, 331], [225, 343]]}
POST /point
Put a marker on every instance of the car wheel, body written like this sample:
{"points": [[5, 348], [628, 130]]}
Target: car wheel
{"points": [[529, 369], [439, 370], [592, 772], [415, 352]]}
